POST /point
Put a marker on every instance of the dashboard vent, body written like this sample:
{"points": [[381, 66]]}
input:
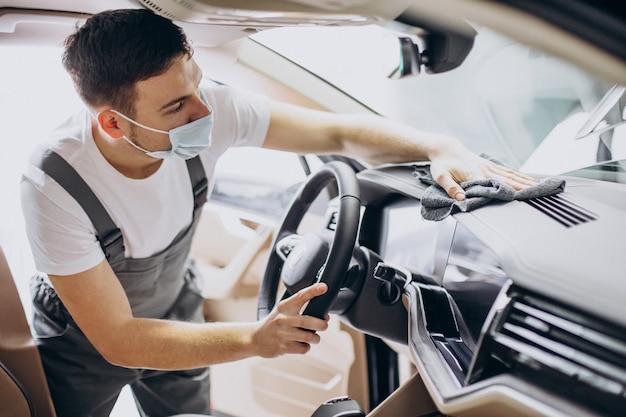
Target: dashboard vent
{"points": [[567, 352], [562, 210], [158, 9]]}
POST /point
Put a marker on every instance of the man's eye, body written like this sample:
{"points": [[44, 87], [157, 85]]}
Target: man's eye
{"points": [[178, 107]]}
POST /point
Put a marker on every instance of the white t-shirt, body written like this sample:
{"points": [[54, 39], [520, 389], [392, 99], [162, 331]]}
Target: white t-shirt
{"points": [[150, 212]]}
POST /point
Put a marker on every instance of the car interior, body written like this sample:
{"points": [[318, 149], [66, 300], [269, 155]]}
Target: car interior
{"points": [[474, 315], [23, 386]]}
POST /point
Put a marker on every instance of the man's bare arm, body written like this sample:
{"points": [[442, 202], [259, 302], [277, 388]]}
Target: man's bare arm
{"points": [[98, 304], [379, 140]]}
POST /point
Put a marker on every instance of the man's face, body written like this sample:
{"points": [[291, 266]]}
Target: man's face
{"points": [[166, 101]]}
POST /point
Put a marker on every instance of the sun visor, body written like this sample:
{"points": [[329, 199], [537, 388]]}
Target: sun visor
{"points": [[279, 13]]}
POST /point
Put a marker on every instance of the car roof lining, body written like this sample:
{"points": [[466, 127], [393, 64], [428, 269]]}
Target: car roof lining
{"points": [[506, 19], [526, 28], [37, 28]]}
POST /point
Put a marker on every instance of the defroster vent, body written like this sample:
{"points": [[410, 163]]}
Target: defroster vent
{"points": [[562, 210]]}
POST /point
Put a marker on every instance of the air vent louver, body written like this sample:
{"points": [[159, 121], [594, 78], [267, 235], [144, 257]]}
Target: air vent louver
{"points": [[562, 210], [157, 9], [567, 352]]}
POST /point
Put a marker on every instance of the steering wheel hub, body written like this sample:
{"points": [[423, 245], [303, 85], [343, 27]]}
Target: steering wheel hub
{"points": [[304, 263]]}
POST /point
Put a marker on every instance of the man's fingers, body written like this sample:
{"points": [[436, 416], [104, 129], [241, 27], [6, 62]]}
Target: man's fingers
{"points": [[295, 303], [453, 189], [510, 177]]}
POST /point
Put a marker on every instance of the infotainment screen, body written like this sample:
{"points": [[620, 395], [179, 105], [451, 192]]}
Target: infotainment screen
{"points": [[420, 245], [449, 255], [473, 278]]}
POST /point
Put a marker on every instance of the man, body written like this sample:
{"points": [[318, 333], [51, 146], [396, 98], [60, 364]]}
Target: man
{"points": [[122, 308]]}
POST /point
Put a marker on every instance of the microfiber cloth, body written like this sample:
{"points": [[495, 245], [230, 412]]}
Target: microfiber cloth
{"points": [[437, 204]]}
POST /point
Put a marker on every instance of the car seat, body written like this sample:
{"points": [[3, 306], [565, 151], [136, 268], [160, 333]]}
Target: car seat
{"points": [[23, 387]]}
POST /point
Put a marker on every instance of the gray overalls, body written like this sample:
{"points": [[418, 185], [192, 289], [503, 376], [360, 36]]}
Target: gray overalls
{"points": [[165, 285]]}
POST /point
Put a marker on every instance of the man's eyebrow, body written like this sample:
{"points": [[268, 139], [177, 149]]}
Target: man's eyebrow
{"points": [[185, 97]]}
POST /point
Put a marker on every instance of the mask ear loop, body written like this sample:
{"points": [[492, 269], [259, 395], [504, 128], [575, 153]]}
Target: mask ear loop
{"points": [[135, 145], [147, 152], [139, 124]]}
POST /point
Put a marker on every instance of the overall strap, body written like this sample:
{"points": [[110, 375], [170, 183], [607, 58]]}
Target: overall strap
{"points": [[198, 182], [107, 232]]}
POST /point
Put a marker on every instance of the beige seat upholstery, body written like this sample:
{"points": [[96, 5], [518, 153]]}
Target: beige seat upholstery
{"points": [[12, 396], [23, 387]]}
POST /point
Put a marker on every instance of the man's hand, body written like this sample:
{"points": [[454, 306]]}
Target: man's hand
{"points": [[285, 330], [458, 165]]}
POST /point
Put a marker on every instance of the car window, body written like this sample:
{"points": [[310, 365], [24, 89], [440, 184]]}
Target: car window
{"points": [[503, 101], [259, 180]]}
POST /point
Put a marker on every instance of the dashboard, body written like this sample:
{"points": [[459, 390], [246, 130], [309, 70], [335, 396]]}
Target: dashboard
{"points": [[491, 299]]}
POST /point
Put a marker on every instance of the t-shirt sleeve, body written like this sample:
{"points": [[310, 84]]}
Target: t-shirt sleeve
{"points": [[60, 234], [241, 118]]}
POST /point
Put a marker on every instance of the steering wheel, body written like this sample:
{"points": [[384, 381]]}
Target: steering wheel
{"points": [[301, 261]]}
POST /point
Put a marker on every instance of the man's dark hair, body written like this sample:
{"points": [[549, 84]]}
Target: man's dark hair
{"points": [[114, 49]]}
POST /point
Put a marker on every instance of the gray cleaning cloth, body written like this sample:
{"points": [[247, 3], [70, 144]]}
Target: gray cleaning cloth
{"points": [[437, 204]]}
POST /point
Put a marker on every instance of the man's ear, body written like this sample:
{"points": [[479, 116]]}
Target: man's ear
{"points": [[108, 122]]}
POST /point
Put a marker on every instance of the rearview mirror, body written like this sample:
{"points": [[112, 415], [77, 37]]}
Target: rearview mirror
{"points": [[441, 50]]}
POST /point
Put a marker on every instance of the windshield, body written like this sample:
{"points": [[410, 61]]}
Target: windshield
{"points": [[520, 106]]}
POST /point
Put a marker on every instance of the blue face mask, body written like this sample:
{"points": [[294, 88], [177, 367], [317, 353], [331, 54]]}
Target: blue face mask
{"points": [[187, 140]]}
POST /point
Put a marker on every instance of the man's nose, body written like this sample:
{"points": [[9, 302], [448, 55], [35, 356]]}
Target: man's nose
{"points": [[200, 108]]}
